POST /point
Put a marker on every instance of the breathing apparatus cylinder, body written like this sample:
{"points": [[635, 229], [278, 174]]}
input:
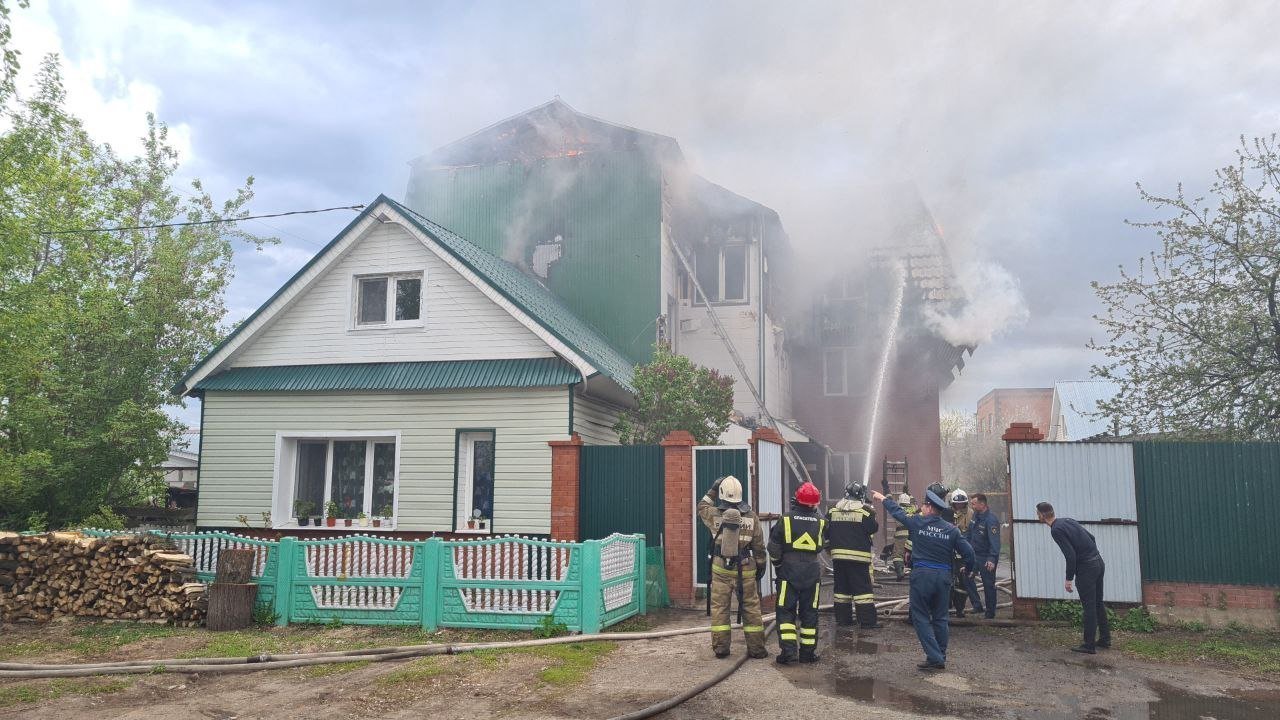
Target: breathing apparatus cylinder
{"points": [[730, 524]]}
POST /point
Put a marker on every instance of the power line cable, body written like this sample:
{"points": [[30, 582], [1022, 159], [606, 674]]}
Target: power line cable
{"points": [[200, 222]]}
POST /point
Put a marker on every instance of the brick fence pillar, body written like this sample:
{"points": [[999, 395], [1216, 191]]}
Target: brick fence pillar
{"points": [[566, 463], [678, 516]]}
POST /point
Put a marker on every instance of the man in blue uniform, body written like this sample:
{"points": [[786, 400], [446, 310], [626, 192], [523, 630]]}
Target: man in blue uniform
{"points": [[984, 536], [934, 543]]}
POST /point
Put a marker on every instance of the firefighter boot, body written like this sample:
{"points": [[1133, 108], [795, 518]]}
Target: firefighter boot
{"points": [[897, 568], [808, 654], [868, 619], [844, 613]]}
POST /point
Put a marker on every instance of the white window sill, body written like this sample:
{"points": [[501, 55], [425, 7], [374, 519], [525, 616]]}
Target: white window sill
{"points": [[294, 526], [473, 531], [401, 326]]}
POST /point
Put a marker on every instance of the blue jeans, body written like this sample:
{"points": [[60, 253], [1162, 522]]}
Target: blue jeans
{"points": [[930, 599]]}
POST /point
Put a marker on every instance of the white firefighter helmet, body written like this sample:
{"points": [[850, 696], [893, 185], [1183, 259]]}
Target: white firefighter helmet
{"points": [[730, 490], [904, 499], [959, 497]]}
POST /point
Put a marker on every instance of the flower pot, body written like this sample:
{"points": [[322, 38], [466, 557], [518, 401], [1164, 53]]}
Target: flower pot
{"points": [[304, 521], [346, 522], [331, 522], [377, 522], [317, 521], [471, 524], [363, 522]]}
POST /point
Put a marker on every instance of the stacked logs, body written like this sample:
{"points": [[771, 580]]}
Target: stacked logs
{"points": [[126, 577]]}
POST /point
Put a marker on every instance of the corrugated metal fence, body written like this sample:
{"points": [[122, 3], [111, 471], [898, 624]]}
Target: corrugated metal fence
{"points": [[1091, 482], [1208, 512], [621, 490]]}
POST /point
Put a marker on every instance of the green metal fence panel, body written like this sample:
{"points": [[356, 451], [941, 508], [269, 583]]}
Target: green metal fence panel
{"points": [[357, 580], [621, 489], [712, 463], [512, 583], [1204, 511]]}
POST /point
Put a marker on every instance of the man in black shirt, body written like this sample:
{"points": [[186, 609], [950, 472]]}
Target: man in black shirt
{"points": [[1085, 566]]}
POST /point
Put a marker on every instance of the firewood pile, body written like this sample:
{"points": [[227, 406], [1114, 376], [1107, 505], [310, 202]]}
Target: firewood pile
{"points": [[125, 577]]}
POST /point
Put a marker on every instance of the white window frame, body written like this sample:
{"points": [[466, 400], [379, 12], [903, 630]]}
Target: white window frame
{"points": [[392, 278], [746, 275], [286, 467], [844, 371], [463, 490]]}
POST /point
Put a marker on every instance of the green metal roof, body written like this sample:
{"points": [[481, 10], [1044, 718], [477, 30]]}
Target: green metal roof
{"points": [[439, 375], [531, 297]]}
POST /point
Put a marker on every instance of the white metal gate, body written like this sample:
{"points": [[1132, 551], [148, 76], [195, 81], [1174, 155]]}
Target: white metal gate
{"points": [[769, 471], [1090, 482]]}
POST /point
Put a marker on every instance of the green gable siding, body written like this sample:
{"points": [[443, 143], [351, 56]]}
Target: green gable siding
{"points": [[606, 206]]}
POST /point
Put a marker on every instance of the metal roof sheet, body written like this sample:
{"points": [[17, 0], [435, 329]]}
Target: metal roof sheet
{"points": [[435, 375]]}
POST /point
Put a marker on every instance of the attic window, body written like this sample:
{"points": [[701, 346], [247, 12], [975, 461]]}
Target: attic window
{"points": [[388, 300]]}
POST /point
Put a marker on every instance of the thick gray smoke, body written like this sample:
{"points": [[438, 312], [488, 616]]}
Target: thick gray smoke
{"points": [[991, 303]]}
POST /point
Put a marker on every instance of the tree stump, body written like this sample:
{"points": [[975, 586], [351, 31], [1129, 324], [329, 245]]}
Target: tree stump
{"points": [[231, 606], [235, 566], [232, 596]]}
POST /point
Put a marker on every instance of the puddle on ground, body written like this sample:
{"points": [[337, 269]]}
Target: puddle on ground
{"points": [[846, 642], [867, 689], [1173, 703]]}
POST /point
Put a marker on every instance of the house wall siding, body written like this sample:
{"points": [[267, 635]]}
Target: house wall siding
{"points": [[239, 451], [593, 420], [460, 322]]}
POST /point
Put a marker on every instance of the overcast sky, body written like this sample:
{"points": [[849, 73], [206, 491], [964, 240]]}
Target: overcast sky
{"points": [[1025, 125]]}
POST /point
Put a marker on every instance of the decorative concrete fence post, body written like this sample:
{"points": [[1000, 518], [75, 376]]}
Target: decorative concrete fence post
{"points": [[283, 581], [592, 596], [431, 553]]}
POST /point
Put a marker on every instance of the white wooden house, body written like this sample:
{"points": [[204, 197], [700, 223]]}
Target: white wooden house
{"points": [[406, 374]]}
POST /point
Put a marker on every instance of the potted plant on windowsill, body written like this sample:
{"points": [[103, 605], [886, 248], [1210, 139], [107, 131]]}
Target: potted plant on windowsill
{"points": [[331, 514], [302, 511], [384, 513], [346, 520], [362, 520]]}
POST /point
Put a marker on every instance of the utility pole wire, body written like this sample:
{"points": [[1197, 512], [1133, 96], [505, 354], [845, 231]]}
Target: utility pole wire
{"points": [[199, 222]]}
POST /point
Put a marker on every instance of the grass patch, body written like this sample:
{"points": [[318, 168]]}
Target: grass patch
{"points": [[23, 648], [1252, 651], [97, 638], [319, 671], [419, 670], [574, 661], [237, 643], [635, 623], [54, 689]]}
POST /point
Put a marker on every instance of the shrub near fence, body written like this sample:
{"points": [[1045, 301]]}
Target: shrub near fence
{"points": [[501, 583]]}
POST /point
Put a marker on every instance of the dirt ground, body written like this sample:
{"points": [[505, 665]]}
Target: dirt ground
{"points": [[992, 673]]}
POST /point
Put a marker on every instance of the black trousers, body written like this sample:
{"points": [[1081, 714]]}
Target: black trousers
{"points": [[1089, 576], [853, 582], [797, 603]]}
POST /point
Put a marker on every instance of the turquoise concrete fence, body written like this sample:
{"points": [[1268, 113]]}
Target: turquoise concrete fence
{"points": [[500, 583]]}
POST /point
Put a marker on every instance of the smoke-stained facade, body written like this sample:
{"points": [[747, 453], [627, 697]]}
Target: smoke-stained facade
{"points": [[596, 211]]}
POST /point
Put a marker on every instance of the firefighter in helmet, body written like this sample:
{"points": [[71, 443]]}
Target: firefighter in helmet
{"points": [[959, 581], [794, 544], [902, 538], [852, 524], [737, 549]]}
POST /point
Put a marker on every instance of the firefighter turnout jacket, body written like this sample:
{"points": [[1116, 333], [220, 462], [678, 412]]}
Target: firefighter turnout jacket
{"points": [[902, 534], [852, 526], [794, 544]]}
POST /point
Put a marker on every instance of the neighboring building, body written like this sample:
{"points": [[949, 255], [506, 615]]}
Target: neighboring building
{"points": [[182, 470], [402, 368], [1002, 406], [1073, 415]]}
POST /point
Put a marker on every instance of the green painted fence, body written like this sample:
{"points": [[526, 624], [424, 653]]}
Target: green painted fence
{"points": [[621, 490], [1205, 511], [509, 583]]}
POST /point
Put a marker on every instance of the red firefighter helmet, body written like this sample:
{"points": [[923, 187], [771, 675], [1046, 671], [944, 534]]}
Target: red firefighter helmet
{"points": [[807, 494]]}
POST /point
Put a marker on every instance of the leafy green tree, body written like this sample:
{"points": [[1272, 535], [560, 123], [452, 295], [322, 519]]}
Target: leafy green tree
{"points": [[672, 393], [1193, 335], [972, 459], [97, 325]]}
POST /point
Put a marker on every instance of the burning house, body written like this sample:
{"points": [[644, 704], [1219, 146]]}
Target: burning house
{"points": [[613, 222]]}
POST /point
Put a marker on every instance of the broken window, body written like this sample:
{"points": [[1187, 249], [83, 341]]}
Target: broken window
{"points": [[835, 371], [733, 261]]}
